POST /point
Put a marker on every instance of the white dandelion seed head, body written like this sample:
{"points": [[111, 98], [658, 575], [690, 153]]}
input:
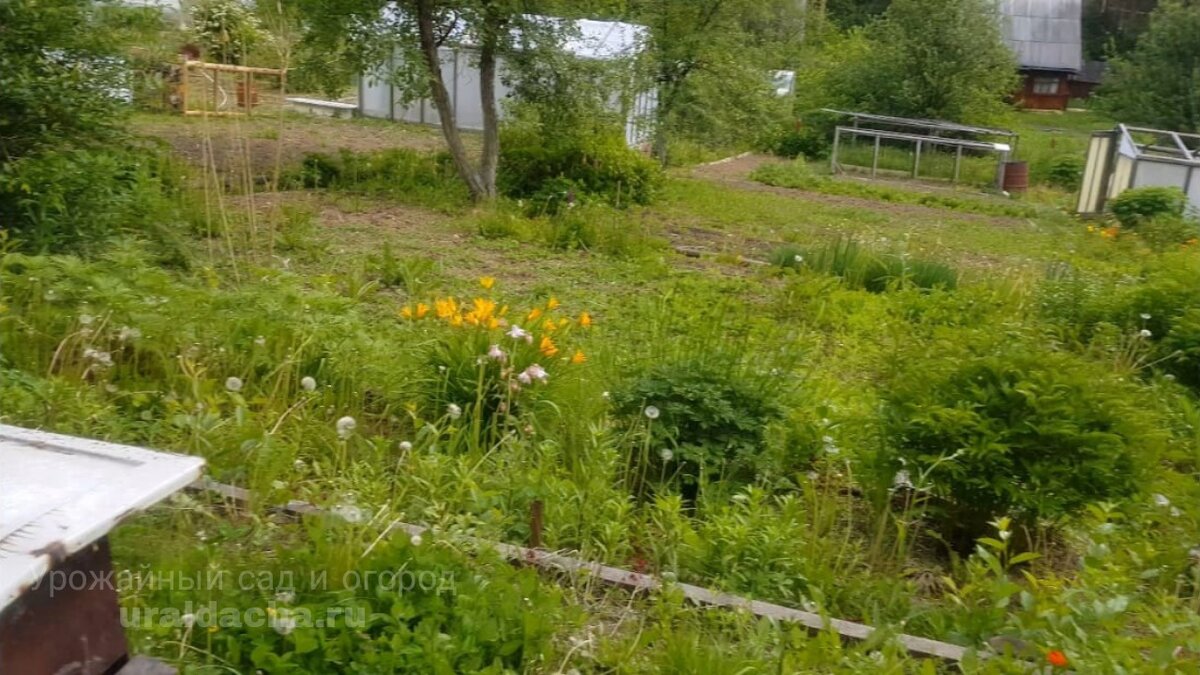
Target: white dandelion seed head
{"points": [[606, 395], [128, 333], [348, 512], [902, 479], [260, 341], [286, 597], [346, 426], [284, 623], [188, 620], [405, 446], [299, 465], [1161, 500], [308, 383], [651, 412], [454, 411], [233, 384], [798, 258], [1145, 316], [98, 357], [1169, 377], [86, 319], [1145, 332], [416, 540], [666, 454]]}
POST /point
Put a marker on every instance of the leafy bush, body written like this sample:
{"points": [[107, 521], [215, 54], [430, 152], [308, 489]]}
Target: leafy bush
{"points": [[73, 199], [544, 170], [1139, 205], [703, 421], [55, 75], [1024, 432], [1065, 171], [1182, 343]]}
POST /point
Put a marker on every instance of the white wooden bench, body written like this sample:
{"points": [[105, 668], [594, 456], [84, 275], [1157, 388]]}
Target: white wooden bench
{"points": [[322, 108]]}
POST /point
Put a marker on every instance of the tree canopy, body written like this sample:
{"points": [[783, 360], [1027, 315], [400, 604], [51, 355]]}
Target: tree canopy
{"points": [[922, 58], [1159, 83]]}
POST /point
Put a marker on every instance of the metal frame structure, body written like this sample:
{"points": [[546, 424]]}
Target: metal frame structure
{"points": [[1130, 157], [930, 134]]}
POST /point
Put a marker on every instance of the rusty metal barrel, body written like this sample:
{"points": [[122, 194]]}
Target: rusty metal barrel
{"points": [[1016, 177]]}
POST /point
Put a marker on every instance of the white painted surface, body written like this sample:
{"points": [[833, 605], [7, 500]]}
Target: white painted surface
{"points": [[63, 493]]}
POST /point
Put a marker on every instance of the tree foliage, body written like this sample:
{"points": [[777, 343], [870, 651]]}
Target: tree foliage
{"points": [[58, 72], [922, 58], [1159, 83]]}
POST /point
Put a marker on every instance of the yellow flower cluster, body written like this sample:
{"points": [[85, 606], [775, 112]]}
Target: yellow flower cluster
{"points": [[485, 313]]}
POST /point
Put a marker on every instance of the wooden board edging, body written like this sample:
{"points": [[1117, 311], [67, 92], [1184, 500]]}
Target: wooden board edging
{"points": [[633, 581]]}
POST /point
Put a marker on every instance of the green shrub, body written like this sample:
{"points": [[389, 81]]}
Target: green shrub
{"points": [[1065, 171], [1139, 205], [74, 199], [703, 421], [1182, 345], [1024, 432], [533, 167]]}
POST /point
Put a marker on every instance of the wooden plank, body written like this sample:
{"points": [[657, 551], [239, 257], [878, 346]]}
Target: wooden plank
{"points": [[62, 493], [637, 582], [228, 68]]}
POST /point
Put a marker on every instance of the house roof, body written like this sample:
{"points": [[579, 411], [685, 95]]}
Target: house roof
{"points": [[1044, 34]]}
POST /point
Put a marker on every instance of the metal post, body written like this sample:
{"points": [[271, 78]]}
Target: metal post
{"points": [[957, 162], [917, 160], [833, 156], [875, 158]]}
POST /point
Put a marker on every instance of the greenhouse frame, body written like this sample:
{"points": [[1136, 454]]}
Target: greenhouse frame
{"points": [[1133, 157]]}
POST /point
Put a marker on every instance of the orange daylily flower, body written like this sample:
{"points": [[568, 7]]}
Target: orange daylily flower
{"points": [[422, 310], [585, 320], [578, 357], [406, 312], [446, 308], [547, 347], [534, 314], [487, 282], [552, 303], [1057, 659]]}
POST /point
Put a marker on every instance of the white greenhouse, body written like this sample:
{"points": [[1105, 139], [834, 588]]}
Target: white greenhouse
{"points": [[1132, 157], [600, 40]]}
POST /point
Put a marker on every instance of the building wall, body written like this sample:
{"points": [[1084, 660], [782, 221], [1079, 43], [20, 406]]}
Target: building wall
{"points": [[1043, 90]]}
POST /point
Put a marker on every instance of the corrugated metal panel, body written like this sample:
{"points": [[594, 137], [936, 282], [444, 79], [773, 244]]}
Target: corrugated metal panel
{"points": [[1044, 34]]}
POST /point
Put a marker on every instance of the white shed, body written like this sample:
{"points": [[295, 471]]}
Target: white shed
{"points": [[1133, 157], [600, 40]]}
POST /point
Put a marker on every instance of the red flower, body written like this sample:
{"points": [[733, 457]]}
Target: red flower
{"points": [[1057, 658]]}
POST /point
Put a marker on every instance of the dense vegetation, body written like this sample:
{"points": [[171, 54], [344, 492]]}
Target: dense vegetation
{"points": [[940, 412]]}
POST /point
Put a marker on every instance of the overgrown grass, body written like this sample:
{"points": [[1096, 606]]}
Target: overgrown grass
{"points": [[288, 322], [798, 175]]}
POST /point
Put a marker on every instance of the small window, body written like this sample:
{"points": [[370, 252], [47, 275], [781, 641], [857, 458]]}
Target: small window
{"points": [[1045, 85]]}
